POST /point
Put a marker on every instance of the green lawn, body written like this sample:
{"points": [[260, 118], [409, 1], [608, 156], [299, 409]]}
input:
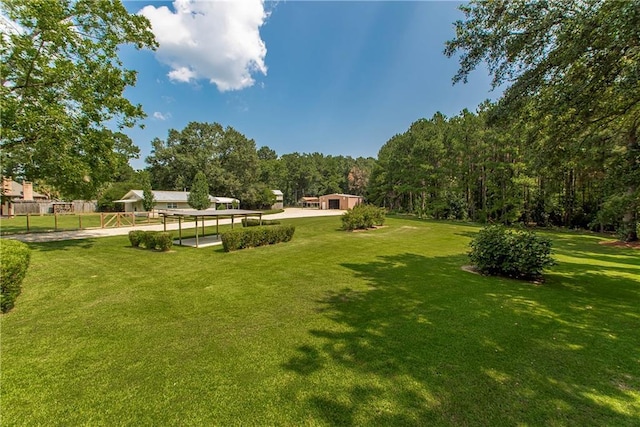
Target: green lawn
{"points": [[332, 328], [49, 222]]}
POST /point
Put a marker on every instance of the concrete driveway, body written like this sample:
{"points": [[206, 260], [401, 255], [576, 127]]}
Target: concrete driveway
{"points": [[106, 232]]}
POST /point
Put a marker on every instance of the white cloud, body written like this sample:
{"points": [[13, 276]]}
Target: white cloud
{"points": [[215, 40], [160, 116]]}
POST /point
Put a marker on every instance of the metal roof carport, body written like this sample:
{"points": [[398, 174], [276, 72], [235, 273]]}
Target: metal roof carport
{"points": [[206, 213]]}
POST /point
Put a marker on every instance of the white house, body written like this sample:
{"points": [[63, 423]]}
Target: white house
{"points": [[171, 200]]}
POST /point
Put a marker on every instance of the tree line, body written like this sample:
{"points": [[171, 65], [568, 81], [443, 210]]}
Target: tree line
{"points": [[232, 166], [561, 146], [465, 167]]}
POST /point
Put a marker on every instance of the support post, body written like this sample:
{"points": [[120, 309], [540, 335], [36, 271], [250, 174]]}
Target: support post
{"points": [[55, 222], [80, 221], [164, 223], [196, 232], [101, 220], [28, 224], [180, 230]]}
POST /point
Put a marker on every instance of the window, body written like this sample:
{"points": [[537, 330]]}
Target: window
{"points": [[172, 205]]}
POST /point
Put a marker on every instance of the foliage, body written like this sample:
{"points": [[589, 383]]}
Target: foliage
{"points": [[164, 241], [149, 239], [14, 262], [497, 251], [227, 158], [253, 222], [136, 237], [362, 217], [572, 75], [62, 91], [148, 199], [256, 236], [199, 194], [235, 168], [259, 196]]}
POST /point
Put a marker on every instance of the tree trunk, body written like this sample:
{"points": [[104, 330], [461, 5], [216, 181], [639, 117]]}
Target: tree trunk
{"points": [[630, 218]]}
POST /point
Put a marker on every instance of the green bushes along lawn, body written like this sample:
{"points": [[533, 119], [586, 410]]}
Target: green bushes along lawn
{"points": [[233, 240], [14, 262], [151, 239], [362, 217], [497, 251]]}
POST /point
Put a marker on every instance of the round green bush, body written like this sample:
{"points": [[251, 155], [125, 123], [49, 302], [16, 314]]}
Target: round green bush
{"points": [[497, 251], [164, 241], [149, 239], [136, 237]]}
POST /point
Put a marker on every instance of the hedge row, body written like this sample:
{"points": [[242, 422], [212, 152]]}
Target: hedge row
{"points": [[14, 261], [252, 222], [151, 239], [362, 217], [256, 236], [497, 251]]}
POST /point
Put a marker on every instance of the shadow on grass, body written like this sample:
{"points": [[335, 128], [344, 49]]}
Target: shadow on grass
{"points": [[62, 245], [431, 344]]}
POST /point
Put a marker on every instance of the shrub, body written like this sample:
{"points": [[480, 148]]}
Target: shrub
{"points": [[256, 236], [164, 241], [497, 251], [253, 222], [14, 261], [136, 237], [363, 217], [149, 239]]}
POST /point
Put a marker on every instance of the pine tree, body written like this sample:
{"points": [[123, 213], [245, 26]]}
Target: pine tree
{"points": [[199, 195]]}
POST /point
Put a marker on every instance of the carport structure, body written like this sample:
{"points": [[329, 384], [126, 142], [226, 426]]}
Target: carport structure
{"points": [[204, 215]]}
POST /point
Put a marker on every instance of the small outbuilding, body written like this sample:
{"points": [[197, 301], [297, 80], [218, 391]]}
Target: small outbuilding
{"points": [[339, 201], [310, 202], [279, 204]]}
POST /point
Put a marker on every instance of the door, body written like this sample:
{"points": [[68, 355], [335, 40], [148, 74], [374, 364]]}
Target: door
{"points": [[334, 203]]}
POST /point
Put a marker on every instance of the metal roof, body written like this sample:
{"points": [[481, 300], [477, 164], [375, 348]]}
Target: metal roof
{"points": [[169, 196], [208, 212]]}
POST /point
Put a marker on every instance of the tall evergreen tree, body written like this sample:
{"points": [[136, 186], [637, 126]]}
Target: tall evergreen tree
{"points": [[148, 199], [199, 194]]}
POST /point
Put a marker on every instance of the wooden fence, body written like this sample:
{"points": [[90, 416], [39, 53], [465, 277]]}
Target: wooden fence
{"points": [[57, 222]]}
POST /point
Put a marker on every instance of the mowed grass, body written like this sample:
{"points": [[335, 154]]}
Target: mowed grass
{"points": [[48, 223], [332, 328]]}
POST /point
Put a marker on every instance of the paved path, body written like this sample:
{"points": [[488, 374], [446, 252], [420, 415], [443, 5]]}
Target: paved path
{"points": [[106, 232]]}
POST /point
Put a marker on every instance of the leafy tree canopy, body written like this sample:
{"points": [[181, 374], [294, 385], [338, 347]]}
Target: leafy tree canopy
{"points": [[572, 70], [62, 90]]}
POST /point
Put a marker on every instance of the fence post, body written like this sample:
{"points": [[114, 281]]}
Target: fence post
{"points": [[28, 225], [55, 222], [118, 219], [102, 220], [133, 218], [80, 221]]}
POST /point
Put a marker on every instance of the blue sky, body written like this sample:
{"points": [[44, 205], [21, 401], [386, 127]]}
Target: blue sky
{"points": [[330, 77]]}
